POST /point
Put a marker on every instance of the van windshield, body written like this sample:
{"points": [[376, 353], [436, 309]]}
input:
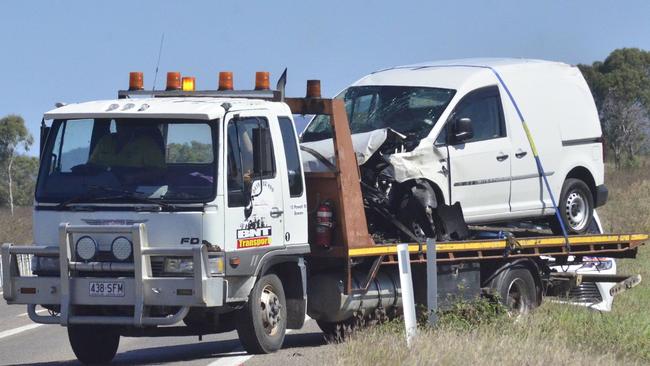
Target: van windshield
{"points": [[92, 160], [411, 111]]}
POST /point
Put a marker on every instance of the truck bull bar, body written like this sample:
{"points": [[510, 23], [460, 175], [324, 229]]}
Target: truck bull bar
{"points": [[140, 291]]}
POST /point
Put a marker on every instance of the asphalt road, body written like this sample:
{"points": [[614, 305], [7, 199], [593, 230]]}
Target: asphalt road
{"points": [[23, 342]]}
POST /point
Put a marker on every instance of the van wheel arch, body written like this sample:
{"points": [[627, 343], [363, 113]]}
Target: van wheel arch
{"points": [[415, 201], [584, 175]]}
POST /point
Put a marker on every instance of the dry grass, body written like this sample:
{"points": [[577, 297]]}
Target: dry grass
{"points": [[554, 334], [18, 228]]}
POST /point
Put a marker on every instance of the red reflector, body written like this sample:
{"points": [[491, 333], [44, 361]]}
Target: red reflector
{"points": [[28, 290]]}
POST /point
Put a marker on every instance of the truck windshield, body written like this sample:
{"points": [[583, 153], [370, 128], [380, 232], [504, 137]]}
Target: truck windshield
{"points": [[411, 111], [88, 160]]}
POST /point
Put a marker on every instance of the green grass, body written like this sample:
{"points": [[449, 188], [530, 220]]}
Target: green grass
{"points": [[554, 334]]}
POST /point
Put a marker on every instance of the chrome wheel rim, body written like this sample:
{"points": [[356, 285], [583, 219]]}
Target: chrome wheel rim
{"points": [[271, 310], [516, 299], [577, 210]]}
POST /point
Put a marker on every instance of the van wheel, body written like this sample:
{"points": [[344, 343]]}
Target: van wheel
{"points": [[263, 320], [415, 211], [93, 345], [516, 290], [576, 207]]}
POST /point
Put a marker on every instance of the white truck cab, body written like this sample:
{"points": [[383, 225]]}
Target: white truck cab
{"points": [[452, 128], [150, 211]]}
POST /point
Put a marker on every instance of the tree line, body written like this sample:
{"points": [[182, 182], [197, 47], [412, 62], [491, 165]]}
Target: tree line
{"points": [[621, 89]]}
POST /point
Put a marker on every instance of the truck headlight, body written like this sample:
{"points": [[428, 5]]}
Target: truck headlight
{"points": [[216, 265], [42, 265], [122, 248], [86, 248], [179, 265], [600, 264]]}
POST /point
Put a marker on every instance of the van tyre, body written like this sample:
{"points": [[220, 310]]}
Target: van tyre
{"points": [[92, 344], [576, 207], [415, 211], [262, 323], [516, 290]]}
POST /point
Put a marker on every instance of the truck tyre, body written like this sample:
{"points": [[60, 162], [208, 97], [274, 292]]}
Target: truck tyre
{"points": [[262, 323], [92, 344], [516, 290], [576, 207]]}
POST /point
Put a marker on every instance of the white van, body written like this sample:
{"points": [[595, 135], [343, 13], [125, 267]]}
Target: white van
{"points": [[437, 133]]}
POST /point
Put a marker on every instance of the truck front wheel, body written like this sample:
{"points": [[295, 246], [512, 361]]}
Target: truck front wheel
{"points": [[93, 344], [263, 321]]}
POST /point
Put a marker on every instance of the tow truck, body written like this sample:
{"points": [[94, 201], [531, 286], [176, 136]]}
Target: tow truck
{"points": [[221, 228]]}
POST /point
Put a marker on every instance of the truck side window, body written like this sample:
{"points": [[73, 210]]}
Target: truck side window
{"points": [[294, 170], [483, 107], [241, 136], [73, 149]]}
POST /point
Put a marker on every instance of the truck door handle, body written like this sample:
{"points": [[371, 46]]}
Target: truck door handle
{"points": [[276, 212], [521, 154], [502, 157]]}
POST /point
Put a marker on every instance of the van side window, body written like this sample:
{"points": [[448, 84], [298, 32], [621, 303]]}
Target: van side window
{"points": [[483, 107], [294, 170], [242, 134]]}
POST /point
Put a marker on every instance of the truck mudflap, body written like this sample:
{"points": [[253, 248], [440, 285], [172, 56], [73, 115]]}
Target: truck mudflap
{"points": [[139, 289]]}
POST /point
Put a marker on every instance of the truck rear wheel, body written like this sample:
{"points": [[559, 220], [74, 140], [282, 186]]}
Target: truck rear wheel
{"points": [[263, 321], [93, 344], [576, 207], [516, 290]]}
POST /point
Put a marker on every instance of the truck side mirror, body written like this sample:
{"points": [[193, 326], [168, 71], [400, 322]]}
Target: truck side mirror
{"points": [[262, 164], [463, 130]]}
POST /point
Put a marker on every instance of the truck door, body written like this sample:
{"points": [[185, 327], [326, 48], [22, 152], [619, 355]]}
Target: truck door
{"points": [[480, 166], [295, 216], [254, 203]]}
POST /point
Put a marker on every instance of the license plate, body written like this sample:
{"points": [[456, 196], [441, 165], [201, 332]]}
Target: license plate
{"points": [[107, 289]]}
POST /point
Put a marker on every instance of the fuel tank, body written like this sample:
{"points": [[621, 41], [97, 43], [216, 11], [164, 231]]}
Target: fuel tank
{"points": [[328, 302]]}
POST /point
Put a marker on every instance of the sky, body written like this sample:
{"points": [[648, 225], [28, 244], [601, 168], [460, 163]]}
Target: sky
{"points": [[75, 51]]}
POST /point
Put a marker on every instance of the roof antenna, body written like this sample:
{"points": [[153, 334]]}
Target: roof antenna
{"points": [[282, 82], [155, 77]]}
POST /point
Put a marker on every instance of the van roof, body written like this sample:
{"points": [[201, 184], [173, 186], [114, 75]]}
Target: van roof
{"points": [[454, 74], [203, 108]]}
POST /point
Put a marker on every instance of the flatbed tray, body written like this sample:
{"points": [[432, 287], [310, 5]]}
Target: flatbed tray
{"points": [[609, 245]]}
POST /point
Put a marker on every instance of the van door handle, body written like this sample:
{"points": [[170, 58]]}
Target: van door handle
{"points": [[521, 154], [502, 157], [276, 212]]}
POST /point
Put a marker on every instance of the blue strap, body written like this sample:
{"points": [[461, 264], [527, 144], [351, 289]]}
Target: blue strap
{"points": [[538, 162]]}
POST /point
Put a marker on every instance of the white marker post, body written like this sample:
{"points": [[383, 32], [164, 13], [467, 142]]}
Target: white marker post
{"points": [[408, 301]]}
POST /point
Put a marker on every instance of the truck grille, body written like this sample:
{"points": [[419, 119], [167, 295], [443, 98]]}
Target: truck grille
{"points": [[587, 292], [157, 266]]}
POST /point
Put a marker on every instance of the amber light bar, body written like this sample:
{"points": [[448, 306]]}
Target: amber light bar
{"points": [[188, 83], [136, 80], [173, 80]]}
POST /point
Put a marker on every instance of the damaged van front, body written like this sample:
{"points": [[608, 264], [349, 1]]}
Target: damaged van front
{"points": [[432, 137]]}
